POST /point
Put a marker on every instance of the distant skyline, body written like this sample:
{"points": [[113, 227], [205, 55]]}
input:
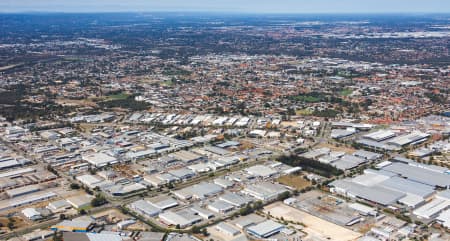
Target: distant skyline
{"points": [[232, 6]]}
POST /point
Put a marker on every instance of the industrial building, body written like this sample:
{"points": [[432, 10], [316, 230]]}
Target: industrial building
{"points": [[22, 190], [235, 199], [244, 222], [145, 208], [342, 133], [444, 219], [202, 167], [261, 171], [225, 161], [125, 223], [186, 156], [377, 146], [363, 209], [204, 213], [90, 181], [59, 206], [385, 188], [413, 138], [380, 135], [80, 201], [92, 237], [120, 190], [30, 199], [198, 191], [31, 214], [265, 229], [420, 173], [182, 173], [347, 162], [220, 206], [264, 191], [38, 235], [139, 154], [359, 126], [160, 179], [99, 159], [432, 209], [163, 202], [216, 150], [183, 218], [368, 155], [73, 226], [227, 229]]}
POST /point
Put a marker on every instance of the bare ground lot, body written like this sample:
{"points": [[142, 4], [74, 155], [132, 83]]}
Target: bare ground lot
{"points": [[317, 229], [348, 150], [69, 102], [295, 181]]}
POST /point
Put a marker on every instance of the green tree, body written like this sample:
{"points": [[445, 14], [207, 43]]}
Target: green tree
{"points": [[99, 200]]}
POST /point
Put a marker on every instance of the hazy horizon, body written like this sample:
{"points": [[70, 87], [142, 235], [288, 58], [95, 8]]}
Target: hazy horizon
{"points": [[229, 6]]}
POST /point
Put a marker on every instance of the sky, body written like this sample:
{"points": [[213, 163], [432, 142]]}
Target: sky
{"points": [[243, 6]]}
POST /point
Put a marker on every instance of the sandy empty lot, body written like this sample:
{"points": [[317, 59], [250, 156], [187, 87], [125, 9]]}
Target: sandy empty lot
{"points": [[315, 227]]}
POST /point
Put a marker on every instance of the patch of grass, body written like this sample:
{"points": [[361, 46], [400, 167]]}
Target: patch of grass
{"points": [[295, 181], [175, 71], [128, 103], [329, 113], [304, 112], [312, 97], [167, 83], [307, 99], [346, 92], [119, 96]]}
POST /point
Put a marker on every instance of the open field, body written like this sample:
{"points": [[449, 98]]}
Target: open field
{"points": [[346, 92], [119, 96], [348, 150], [306, 112], [295, 181], [315, 227], [70, 102], [19, 222]]}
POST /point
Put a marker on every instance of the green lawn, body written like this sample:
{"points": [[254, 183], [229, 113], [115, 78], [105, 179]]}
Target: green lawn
{"points": [[119, 96], [167, 83], [307, 98], [304, 112], [346, 92]]}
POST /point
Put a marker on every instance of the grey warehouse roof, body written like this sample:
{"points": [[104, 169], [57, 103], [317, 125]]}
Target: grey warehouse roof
{"points": [[408, 186], [375, 194], [418, 174], [266, 228]]}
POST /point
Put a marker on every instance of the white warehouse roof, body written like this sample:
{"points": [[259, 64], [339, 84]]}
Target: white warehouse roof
{"points": [[99, 159]]}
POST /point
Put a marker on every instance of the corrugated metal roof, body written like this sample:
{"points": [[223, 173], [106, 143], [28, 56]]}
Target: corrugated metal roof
{"points": [[418, 174], [408, 186], [375, 194], [432, 208], [103, 237], [225, 227], [234, 199], [146, 208], [265, 228]]}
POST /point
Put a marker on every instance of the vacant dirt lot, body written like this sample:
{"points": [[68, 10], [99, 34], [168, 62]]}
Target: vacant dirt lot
{"points": [[348, 150], [315, 227], [295, 181]]}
